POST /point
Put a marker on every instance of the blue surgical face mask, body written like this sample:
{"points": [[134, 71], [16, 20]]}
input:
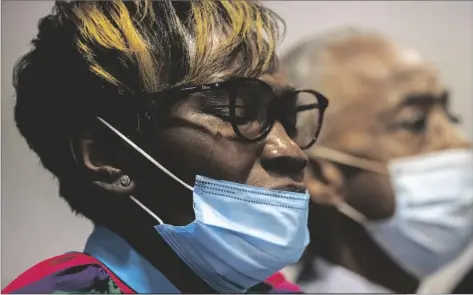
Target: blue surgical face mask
{"points": [[433, 221], [241, 234]]}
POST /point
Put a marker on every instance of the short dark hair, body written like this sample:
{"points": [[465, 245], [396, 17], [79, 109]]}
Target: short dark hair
{"points": [[88, 53]]}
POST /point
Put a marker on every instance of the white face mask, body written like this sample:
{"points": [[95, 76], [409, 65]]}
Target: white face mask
{"points": [[433, 220]]}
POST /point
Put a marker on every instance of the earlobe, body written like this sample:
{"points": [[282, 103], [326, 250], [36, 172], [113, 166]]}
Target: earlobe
{"points": [[325, 182], [121, 186], [98, 168]]}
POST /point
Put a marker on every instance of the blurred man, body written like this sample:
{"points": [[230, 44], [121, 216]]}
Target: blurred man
{"points": [[391, 179]]}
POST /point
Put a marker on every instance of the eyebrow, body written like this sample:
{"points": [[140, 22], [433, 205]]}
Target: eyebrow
{"points": [[423, 99]]}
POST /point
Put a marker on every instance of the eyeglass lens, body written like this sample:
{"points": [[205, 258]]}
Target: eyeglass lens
{"points": [[253, 112]]}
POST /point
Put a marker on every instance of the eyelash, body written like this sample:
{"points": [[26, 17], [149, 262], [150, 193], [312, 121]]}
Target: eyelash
{"points": [[224, 114], [454, 118], [419, 123], [224, 111]]}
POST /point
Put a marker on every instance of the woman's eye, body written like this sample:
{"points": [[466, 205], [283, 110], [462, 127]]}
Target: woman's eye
{"points": [[241, 117], [220, 112]]}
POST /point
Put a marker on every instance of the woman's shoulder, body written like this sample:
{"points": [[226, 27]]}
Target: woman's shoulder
{"points": [[68, 273]]}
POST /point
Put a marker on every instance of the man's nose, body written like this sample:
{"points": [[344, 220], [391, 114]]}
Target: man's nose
{"points": [[443, 134], [282, 156]]}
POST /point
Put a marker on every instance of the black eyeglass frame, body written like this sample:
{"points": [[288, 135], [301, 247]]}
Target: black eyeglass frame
{"points": [[231, 86]]}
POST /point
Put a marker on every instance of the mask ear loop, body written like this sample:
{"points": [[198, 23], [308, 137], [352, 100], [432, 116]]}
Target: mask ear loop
{"points": [[343, 158], [148, 157], [346, 159], [351, 212]]}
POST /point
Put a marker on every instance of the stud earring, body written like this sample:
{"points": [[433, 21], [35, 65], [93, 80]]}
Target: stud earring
{"points": [[125, 180]]}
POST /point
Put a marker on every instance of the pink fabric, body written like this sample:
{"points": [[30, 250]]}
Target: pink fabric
{"points": [[56, 264], [278, 281]]}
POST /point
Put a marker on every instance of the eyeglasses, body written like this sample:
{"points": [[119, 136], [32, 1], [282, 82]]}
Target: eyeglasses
{"points": [[252, 108]]}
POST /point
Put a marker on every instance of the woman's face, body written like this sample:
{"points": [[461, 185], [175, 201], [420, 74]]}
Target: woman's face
{"points": [[197, 139]]}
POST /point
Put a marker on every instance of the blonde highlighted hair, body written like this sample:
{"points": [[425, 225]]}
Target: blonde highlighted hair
{"points": [[217, 37]]}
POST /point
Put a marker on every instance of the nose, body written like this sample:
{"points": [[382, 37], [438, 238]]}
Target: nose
{"points": [[443, 134], [282, 156]]}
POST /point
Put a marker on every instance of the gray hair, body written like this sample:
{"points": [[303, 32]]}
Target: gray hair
{"points": [[307, 64], [303, 63]]}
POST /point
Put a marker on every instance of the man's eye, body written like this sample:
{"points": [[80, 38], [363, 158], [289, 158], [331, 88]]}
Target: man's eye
{"points": [[454, 118], [418, 125]]}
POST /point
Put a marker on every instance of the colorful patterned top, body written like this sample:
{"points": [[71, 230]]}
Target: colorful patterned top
{"points": [[111, 267]]}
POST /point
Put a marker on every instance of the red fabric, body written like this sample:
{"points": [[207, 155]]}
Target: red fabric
{"points": [[59, 263], [278, 281]]}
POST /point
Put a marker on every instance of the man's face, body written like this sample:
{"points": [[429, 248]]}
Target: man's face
{"points": [[386, 103], [198, 140]]}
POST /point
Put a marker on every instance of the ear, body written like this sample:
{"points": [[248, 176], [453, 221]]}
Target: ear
{"points": [[325, 181], [97, 156]]}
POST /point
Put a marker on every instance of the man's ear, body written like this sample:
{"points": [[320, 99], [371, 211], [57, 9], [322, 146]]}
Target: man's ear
{"points": [[95, 154], [325, 181]]}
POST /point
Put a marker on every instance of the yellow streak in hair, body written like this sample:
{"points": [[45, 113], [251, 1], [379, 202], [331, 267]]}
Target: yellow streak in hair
{"points": [[111, 27], [117, 33], [201, 28], [246, 23]]}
